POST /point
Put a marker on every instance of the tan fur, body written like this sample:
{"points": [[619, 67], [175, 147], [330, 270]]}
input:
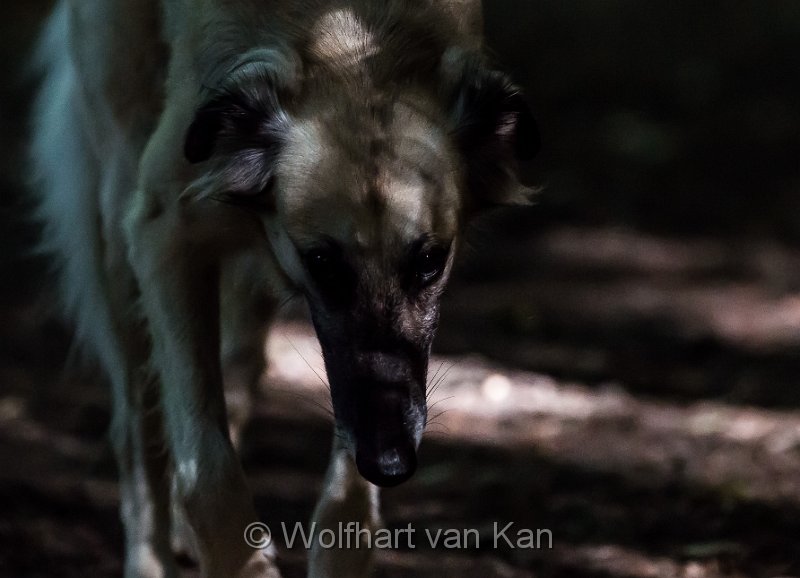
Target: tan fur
{"points": [[171, 287]]}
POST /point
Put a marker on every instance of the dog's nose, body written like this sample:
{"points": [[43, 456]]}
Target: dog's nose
{"points": [[386, 467]]}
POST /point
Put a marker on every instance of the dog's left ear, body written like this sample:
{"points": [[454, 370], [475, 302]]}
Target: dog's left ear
{"points": [[495, 130]]}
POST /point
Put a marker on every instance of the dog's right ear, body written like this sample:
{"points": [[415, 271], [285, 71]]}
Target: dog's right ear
{"points": [[240, 130], [232, 121], [202, 134], [245, 112]]}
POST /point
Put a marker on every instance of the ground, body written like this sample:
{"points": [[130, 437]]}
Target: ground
{"points": [[632, 395]]}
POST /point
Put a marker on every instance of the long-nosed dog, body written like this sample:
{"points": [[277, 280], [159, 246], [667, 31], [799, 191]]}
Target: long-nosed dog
{"points": [[197, 158]]}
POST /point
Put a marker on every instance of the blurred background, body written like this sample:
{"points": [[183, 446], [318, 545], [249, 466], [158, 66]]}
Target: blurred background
{"points": [[618, 364]]}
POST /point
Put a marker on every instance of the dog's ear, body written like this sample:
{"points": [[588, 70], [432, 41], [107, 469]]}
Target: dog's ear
{"points": [[240, 131], [244, 111], [202, 134], [495, 130], [231, 120]]}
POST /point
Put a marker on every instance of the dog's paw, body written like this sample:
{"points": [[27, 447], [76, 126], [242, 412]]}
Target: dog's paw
{"points": [[261, 565], [182, 538]]}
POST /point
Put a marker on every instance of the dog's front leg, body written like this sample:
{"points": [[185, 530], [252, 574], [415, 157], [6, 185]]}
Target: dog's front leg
{"points": [[347, 499], [180, 298], [177, 269]]}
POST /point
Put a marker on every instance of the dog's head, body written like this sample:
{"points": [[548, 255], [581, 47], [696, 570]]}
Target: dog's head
{"points": [[364, 181]]}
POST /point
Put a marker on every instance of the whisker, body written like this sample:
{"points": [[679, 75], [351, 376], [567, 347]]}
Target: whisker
{"points": [[286, 300], [308, 399], [429, 393], [437, 432], [438, 382], [446, 371], [438, 401], [438, 369], [322, 381]]}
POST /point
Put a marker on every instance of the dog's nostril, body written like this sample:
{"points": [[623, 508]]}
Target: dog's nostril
{"points": [[387, 468]]}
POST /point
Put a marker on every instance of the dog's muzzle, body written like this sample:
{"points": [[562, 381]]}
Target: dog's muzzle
{"points": [[386, 433], [380, 406]]}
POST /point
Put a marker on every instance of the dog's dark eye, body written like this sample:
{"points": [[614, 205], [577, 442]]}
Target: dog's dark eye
{"points": [[332, 275], [429, 264], [322, 263]]}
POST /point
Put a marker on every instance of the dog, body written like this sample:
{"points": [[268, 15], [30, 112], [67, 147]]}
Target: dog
{"points": [[198, 160]]}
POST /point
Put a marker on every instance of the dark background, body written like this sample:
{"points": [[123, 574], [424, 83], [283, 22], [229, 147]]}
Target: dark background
{"points": [[661, 262], [677, 117]]}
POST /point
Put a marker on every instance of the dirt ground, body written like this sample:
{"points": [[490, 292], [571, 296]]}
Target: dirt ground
{"points": [[631, 399], [632, 395]]}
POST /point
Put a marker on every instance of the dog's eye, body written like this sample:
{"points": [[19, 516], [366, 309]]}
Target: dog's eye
{"points": [[322, 263], [332, 275], [430, 264]]}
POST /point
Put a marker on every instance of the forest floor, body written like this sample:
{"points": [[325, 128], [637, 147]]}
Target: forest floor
{"points": [[635, 396]]}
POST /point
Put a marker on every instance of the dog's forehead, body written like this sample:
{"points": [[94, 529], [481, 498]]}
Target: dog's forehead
{"points": [[340, 39], [371, 185]]}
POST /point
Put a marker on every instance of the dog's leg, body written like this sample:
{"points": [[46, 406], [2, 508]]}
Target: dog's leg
{"points": [[246, 311], [177, 266], [136, 435], [86, 163], [183, 313], [136, 430], [346, 497], [97, 287]]}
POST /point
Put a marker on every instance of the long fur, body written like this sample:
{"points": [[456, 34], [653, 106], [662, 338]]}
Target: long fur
{"points": [[192, 159], [66, 178]]}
